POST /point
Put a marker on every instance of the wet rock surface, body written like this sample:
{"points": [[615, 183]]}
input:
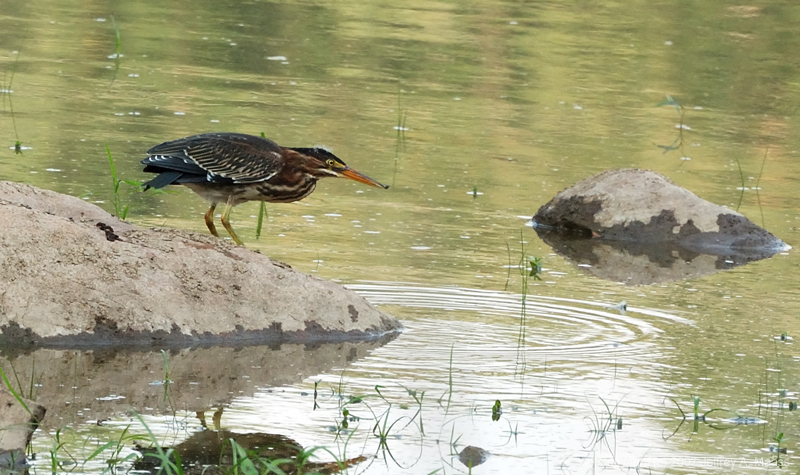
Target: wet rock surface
{"points": [[71, 274], [636, 226]]}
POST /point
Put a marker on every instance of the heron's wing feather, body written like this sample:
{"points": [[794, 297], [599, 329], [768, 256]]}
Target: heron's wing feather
{"points": [[221, 157]]}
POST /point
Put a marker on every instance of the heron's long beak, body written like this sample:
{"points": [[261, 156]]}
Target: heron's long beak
{"points": [[354, 175]]}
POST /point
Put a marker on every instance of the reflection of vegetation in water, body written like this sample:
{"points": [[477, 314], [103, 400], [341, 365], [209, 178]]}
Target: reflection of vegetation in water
{"points": [[678, 143], [520, 361], [167, 381], [696, 416], [386, 425], [378, 411], [525, 273], [603, 425], [758, 187], [781, 402], [377, 416], [449, 380], [508, 267], [771, 400]]}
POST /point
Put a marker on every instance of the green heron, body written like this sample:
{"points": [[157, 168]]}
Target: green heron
{"points": [[234, 168]]}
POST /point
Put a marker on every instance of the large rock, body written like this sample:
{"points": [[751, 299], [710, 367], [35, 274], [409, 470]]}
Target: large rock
{"points": [[637, 227], [643, 206], [71, 273]]}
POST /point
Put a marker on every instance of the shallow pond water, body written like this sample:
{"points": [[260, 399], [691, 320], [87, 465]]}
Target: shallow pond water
{"points": [[476, 114]]}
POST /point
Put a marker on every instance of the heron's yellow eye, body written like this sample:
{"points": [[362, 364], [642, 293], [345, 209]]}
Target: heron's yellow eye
{"points": [[331, 163]]}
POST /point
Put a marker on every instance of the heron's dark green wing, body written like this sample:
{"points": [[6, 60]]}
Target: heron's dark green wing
{"points": [[161, 180], [176, 170], [221, 157]]}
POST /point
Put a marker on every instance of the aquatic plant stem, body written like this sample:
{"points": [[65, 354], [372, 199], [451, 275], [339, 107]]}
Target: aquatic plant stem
{"points": [[758, 186], [523, 268], [741, 176], [400, 141]]}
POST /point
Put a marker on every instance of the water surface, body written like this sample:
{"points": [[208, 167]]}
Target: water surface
{"points": [[476, 115]]}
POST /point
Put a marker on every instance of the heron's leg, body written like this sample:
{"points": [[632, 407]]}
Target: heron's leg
{"points": [[210, 219], [202, 416], [225, 222], [217, 419]]}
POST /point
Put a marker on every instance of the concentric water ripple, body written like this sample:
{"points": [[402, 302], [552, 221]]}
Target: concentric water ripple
{"points": [[558, 328]]}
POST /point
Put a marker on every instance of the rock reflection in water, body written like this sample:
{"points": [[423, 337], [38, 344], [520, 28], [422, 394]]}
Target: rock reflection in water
{"points": [[636, 263], [472, 456], [92, 385]]}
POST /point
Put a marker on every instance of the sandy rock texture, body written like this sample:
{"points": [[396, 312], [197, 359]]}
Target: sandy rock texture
{"points": [[70, 274]]}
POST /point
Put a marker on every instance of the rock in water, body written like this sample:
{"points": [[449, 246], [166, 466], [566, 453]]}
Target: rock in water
{"points": [[70, 274], [643, 206], [638, 227]]}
